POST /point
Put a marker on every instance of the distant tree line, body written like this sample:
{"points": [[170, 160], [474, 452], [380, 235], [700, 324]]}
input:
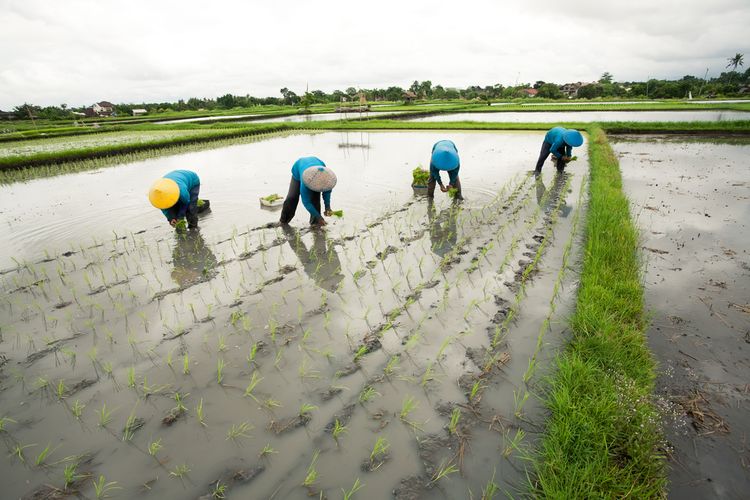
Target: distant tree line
{"points": [[729, 83]]}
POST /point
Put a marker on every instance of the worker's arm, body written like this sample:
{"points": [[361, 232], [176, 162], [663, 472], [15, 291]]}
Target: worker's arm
{"points": [[305, 194], [327, 202], [557, 148], [435, 174]]}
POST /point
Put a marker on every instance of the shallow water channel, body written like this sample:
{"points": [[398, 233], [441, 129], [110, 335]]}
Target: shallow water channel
{"points": [[588, 116], [691, 196], [401, 346]]}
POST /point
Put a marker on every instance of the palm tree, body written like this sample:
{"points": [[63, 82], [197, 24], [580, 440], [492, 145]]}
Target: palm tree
{"points": [[735, 61]]}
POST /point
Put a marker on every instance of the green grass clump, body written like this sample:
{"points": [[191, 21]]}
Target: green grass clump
{"points": [[603, 436]]}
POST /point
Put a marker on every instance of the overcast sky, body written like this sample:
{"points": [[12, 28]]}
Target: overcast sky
{"points": [[81, 51]]}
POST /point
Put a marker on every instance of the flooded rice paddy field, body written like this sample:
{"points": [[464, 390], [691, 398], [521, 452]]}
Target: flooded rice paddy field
{"points": [[588, 116], [57, 144], [691, 196], [399, 349], [290, 118]]}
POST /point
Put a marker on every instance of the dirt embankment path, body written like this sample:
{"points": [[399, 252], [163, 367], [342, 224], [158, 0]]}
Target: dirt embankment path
{"points": [[691, 197]]}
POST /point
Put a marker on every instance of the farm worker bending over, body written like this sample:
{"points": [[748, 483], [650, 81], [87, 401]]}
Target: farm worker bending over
{"points": [[444, 157], [560, 142], [310, 178], [176, 194]]}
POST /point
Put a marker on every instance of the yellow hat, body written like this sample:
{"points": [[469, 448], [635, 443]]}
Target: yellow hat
{"points": [[164, 193]]}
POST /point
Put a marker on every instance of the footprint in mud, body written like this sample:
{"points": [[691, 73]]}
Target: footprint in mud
{"points": [[412, 488], [342, 417], [233, 477], [289, 423]]}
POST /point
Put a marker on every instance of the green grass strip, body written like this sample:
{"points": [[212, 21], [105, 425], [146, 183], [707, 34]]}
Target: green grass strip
{"points": [[603, 436]]}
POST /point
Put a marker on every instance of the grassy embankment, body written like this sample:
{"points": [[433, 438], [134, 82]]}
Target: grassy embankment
{"points": [[602, 438]]}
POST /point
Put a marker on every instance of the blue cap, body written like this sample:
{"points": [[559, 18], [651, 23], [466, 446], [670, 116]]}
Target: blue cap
{"points": [[572, 138], [444, 159]]}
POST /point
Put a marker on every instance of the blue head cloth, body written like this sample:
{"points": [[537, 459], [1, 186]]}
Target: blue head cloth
{"points": [[444, 158], [572, 138]]}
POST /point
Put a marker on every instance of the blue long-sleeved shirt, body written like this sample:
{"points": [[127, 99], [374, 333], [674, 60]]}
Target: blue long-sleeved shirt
{"points": [[186, 181], [435, 172], [304, 192], [555, 138]]}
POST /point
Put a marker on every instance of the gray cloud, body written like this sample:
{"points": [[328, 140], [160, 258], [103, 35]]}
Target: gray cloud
{"points": [[81, 51]]}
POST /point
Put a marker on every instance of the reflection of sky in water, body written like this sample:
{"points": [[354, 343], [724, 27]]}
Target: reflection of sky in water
{"points": [[589, 116], [61, 213]]}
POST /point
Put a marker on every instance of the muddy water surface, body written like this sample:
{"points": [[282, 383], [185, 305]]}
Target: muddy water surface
{"points": [[401, 346], [692, 199]]}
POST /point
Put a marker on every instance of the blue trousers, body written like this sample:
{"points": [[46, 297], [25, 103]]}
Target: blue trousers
{"points": [[543, 154]]}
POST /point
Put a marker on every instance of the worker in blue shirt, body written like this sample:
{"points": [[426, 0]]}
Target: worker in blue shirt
{"points": [[310, 179], [444, 157], [560, 142], [176, 194]]}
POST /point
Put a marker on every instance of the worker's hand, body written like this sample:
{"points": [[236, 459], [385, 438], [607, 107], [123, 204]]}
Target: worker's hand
{"points": [[444, 189], [328, 212], [173, 222], [566, 159]]}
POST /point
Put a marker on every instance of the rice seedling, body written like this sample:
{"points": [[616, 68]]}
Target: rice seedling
{"points": [[70, 475], [219, 490], [131, 377], [453, 424], [61, 389], [266, 451], [255, 379], [360, 353], [306, 409], [105, 415], [427, 376], [513, 443], [180, 471], [5, 420], [355, 488], [77, 409], [180, 408], [367, 394], [311, 477], [391, 366], [519, 400], [102, 488], [200, 414], [220, 370], [239, 431], [17, 451], [492, 489], [154, 447], [445, 468], [408, 405], [271, 403], [338, 429], [253, 354], [476, 392], [379, 451], [43, 456]]}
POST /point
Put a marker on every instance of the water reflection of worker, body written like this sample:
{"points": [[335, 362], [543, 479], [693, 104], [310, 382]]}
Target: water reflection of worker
{"points": [[310, 179], [443, 227], [321, 261], [193, 261], [559, 142], [557, 186], [444, 157], [176, 194]]}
